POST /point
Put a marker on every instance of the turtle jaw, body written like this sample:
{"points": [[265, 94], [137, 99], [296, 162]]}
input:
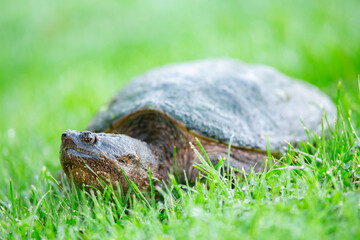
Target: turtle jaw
{"points": [[86, 169]]}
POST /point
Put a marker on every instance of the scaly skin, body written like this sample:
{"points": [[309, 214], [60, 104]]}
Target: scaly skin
{"points": [[86, 156]]}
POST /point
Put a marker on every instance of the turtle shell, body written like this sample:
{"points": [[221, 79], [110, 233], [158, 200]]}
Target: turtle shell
{"points": [[224, 99]]}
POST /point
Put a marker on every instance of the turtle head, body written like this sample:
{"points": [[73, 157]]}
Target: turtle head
{"points": [[90, 158]]}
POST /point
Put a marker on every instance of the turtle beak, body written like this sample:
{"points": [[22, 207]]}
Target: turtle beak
{"points": [[68, 139]]}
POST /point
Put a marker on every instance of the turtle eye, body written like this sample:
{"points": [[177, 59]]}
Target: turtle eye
{"points": [[87, 137]]}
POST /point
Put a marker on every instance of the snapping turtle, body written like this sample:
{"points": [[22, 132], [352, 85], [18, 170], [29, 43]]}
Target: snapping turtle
{"points": [[214, 100]]}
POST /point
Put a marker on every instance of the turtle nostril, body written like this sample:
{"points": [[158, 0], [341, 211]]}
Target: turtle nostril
{"points": [[64, 135]]}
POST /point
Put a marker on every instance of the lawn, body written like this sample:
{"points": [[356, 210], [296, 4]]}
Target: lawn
{"points": [[61, 60]]}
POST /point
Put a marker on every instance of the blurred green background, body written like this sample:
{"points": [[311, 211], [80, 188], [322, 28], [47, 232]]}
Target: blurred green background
{"points": [[61, 60]]}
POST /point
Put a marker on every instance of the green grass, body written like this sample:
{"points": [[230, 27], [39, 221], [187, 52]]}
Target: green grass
{"points": [[312, 193], [61, 60]]}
